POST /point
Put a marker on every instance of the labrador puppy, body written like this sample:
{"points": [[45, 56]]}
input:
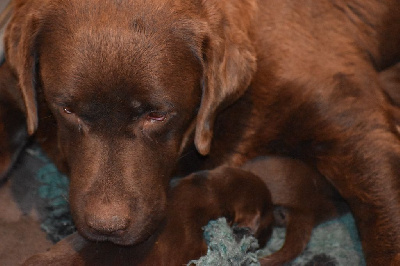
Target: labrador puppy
{"points": [[303, 199], [231, 192], [123, 94]]}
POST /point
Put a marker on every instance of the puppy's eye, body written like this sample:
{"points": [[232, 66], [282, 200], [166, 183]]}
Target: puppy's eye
{"points": [[156, 116], [67, 110]]}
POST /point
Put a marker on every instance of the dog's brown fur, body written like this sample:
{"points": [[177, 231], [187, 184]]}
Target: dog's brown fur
{"points": [[121, 88], [390, 82], [195, 200]]}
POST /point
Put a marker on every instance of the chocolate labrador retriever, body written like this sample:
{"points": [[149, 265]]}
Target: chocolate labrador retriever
{"points": [[196, 199], [122, 94]]}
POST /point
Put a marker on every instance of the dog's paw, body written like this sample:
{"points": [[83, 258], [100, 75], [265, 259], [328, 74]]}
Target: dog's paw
{"points": [[5, 165], [49, 258]]}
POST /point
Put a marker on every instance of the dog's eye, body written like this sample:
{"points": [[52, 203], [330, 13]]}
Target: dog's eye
{"points": [[157, 116], [67, 111]]}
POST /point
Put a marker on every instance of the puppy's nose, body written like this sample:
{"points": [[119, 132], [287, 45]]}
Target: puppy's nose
{"points": [[108, 220]]}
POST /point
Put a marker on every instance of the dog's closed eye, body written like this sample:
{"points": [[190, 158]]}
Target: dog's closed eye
{"points": [[71, 117], [156, 116], [67, 110]]}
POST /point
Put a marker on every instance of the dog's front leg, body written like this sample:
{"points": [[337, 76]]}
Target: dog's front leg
{"points": [[359, 152]]}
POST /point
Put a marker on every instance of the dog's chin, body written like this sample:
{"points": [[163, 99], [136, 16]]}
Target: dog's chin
{"points": [[130, 241], [123, 240]]}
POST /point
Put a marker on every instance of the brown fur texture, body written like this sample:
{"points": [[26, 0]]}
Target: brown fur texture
{"points": [[123, 93], [194, 201], [390, 82]]}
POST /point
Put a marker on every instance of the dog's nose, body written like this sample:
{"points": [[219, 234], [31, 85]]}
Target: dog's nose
{"points": [[108, 220], [108, 225]]}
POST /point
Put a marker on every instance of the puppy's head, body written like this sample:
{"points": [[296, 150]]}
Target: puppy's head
{"points": [[238, 195], [247, 199], [125, 81]]}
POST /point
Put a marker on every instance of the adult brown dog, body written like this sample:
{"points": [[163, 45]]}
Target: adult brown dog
{"points": [[120, 86], [196, 199]]}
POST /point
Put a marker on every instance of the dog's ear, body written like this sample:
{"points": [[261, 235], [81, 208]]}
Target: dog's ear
{"points": [[229, 62], [19, 41]]}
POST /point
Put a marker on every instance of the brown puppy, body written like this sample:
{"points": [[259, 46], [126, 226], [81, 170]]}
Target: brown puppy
{"points": [[304, 198], [114, 90], [195, 200]]}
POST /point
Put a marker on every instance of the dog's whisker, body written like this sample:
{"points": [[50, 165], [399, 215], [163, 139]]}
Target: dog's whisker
{"points": [[186, 154], [46, 117]]}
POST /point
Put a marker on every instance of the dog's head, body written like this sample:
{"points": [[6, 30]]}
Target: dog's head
{"points": [[128, 82]]}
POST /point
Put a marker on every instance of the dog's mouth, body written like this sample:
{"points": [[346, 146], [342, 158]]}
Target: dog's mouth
{"points": [[120, 237]]}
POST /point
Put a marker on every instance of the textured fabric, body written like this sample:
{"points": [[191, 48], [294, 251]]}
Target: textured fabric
{"points": [[225, 249]]}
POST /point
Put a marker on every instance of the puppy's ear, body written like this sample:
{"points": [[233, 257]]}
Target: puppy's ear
{"points": [[19, 41], [249, 220], [229, 63]]}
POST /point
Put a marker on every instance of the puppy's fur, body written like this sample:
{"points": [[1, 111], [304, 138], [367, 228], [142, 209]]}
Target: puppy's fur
{"points": [[122, 93], [194, 201]]}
